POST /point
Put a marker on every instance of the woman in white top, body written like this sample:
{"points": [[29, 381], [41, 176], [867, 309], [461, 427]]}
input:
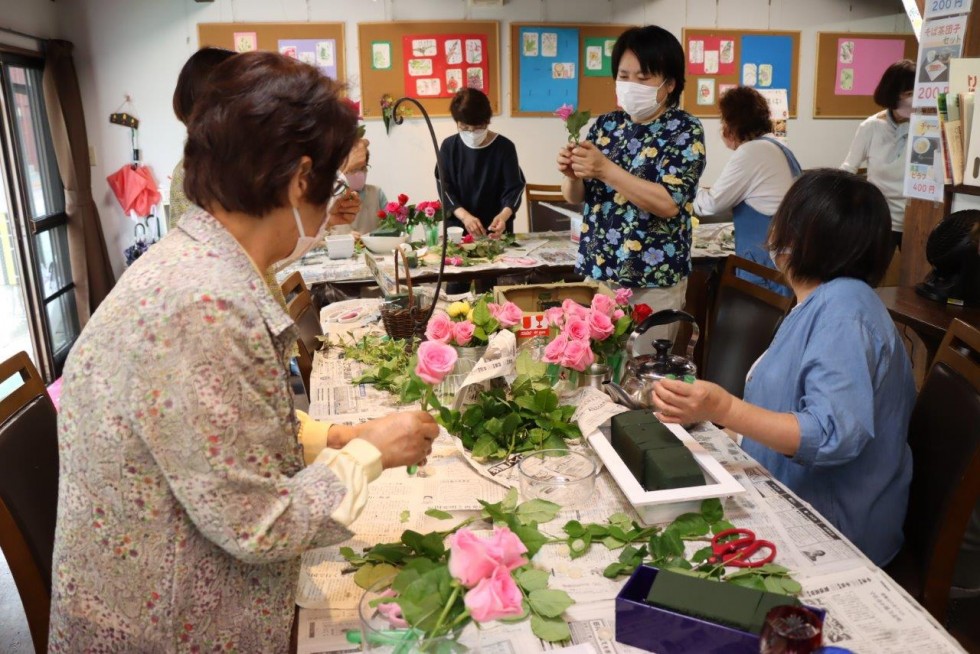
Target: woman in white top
{"points": [[880, 140], [755, 179]]}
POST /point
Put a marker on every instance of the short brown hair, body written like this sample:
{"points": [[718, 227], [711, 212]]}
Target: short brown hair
{"points": [[833, 224], [261, 113], [471, 107], [745, 113], [896, 80], [194, 77], [659, 53]]}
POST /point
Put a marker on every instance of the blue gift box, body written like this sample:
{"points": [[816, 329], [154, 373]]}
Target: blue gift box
{"points": [[660, 630]]}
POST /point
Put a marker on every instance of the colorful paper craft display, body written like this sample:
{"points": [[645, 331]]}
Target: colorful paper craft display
{"points": [[321, 53], [861, 62], [438, 65], [549, 68]]}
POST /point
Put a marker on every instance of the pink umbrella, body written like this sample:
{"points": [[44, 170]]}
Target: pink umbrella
{"points": [[135, 189]]}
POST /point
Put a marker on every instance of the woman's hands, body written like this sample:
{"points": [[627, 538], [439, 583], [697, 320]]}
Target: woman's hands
{"points": [[681, 402], [565, 161], [470, 222], [402, 438], [344, 209]]}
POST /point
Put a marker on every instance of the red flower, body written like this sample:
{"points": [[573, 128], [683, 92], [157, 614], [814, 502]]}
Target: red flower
{"points": [[402, 198], [468, 238], [382, 214], [641, 312]]}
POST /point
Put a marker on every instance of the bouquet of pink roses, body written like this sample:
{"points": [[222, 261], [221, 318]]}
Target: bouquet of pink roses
{"points": [[584, 336], [466, 325]]}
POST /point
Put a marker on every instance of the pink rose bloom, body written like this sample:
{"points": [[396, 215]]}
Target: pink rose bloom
{"points": [[463, 332], [564, 111], [623, 296], [577, 329], [509, 314], [392, 207], [555, 350], [436, 360], [429, 212], [495, 597], [617, 314], [469, 561], [555, 317], [440, 328], [603, 304], [392, 611], [600, 326], [573, 309], [578, 356], [454, 261], [506, 548]]}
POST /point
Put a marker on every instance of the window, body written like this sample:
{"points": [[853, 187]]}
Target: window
{"points": [[36, 215]]}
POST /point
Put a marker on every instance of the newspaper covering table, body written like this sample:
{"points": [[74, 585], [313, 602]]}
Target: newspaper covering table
{"points": [[867, 611]]}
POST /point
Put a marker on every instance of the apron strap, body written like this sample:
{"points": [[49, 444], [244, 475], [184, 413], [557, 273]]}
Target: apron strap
{"points": [[794, 165]]}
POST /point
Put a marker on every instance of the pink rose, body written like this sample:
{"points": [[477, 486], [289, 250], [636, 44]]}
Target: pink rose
{"points": [[463, 332], [574, 310], [623, 296], [436, 360], [564, 111], [392, 611], [509, 314], [603, 304], [429, 212], [440, 328], [392, 207], [555, 317], [617, 314], [600, 326], [555, 350], [454, 261], [578, 356], [469, 561], [495, 597], [506, 548], [577, 329]]}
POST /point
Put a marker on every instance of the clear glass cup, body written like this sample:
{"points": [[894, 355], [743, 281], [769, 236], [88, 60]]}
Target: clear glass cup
{"points": [[564, 477], [791, 630]]}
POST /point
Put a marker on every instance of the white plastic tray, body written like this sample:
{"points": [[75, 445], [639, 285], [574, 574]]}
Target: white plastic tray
{"points": [[661, 506]]}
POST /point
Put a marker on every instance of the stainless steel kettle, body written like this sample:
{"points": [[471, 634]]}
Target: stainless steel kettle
{"points": [[642, 371]]}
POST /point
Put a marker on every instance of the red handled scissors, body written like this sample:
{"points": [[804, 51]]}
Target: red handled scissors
{"points": [[736, 547]]}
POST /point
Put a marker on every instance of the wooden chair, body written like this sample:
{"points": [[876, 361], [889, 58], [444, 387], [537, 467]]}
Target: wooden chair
{"points": [[293, 286], [543, 219], [743, 322], [944, 434], [307, 318], [29, 490]]}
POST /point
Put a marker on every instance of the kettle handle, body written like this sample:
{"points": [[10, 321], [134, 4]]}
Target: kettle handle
{"points": [[664, 317]]}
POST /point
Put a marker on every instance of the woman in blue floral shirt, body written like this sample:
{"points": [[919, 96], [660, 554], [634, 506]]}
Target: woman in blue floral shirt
{"points": [[637, 172]]}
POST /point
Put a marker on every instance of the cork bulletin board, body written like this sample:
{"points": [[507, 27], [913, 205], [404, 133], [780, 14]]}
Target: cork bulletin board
{"points": [[562, 63], [429, 61], [718, 58], [320, 44], [849, 66]]}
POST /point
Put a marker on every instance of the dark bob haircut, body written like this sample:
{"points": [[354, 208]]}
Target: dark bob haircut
{"points": [[834, 224], [471, 107], [659, 52], [193, 79], [261, 113], [745, 113], [896, 80]]}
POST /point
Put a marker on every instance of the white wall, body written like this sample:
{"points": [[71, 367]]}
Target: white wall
{"points": [[139, 46], [35, 17]]}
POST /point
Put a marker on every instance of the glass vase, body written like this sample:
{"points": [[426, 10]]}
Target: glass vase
{"points": [[378, 635], [432, 234]]}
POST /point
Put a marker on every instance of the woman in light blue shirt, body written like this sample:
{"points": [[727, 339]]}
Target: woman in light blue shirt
{"points": [[827, 406]]}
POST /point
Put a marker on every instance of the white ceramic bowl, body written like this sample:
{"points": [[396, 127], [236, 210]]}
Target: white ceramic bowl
{"points": [[340, 246], [383, 244]]}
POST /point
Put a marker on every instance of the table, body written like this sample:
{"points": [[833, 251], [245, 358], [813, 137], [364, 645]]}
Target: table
{"points": [[868, 612], [928, 318]]}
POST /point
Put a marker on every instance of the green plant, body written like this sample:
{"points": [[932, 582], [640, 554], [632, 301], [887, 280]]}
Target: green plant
{"points": [[479, 250], [388, 365]]}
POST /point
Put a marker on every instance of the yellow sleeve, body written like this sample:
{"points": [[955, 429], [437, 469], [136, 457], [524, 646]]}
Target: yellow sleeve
{"points": [[313, 436], [356, 465]]}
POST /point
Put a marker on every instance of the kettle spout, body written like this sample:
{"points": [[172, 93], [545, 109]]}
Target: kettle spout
{"points": [[619, 395]]}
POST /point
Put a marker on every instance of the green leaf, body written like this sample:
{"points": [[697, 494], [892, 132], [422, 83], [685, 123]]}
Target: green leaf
{"points": [[772, 569], [546, 400], [689, 525], [554, 442], [551, 630], [484, 447], [573, 528], [753, 581], [613, 543], [773, 585], [538, 511], [720, 526], [349, 554], [712, 510], [412, 571], [532, 580], [579, 546], [439, 514], [404, 516], [532, 538], [372, 573], [614, 570], [702, 555], [549, 602], [791, 586], [423, 600], [621, 520]]}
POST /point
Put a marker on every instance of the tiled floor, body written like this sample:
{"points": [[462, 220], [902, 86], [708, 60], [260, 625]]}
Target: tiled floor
{"points": [[15, 638]]}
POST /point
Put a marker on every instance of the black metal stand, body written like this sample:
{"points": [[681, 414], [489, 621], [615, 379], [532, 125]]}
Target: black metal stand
{"points": [[442, 194]]}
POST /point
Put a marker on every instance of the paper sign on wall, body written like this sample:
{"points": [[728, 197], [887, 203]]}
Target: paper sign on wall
{"points": [[597, 62], [778, 102], [321, 53], [936, 8], [941, 41], [861, 62], [924, 163]]}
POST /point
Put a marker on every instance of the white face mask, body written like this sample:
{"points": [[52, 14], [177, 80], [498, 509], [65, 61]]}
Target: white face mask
{"points": [[473, 139], [773, 253], [904, 109], [638, 100], [304, 243]]}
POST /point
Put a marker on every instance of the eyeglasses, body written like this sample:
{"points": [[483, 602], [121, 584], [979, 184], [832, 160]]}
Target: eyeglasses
{"points": [[470, 128], [340, 186]]}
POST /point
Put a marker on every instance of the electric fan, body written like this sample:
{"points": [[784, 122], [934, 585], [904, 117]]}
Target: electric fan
{"points": [[952, 249]]}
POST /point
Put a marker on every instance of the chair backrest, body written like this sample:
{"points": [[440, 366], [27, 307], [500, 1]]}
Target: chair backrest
{"points": [[28, 489], [293, 286], [944, 434], [307, 318], [544, 219], [742, 325]]}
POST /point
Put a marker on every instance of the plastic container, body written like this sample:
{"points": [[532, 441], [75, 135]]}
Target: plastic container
{"points": [[564, 477]]}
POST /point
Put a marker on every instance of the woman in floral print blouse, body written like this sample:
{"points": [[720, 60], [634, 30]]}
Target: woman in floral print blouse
{"points": [[637, 172], [184, 503]]}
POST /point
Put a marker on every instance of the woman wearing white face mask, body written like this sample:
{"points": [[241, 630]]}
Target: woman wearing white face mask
{"points": [[177, 427], [372, 198], [880, 141], [484, 182], [637, 172]]}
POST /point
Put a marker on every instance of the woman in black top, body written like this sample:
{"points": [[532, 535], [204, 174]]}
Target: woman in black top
{"points": [[483, 182]]}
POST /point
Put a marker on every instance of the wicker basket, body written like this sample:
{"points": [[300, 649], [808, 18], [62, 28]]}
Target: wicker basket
{"points": [[404, 316]]}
